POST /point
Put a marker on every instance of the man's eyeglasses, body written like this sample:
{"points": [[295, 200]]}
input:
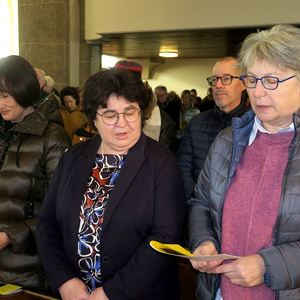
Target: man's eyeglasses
{"points": [[111, 117], [225, 79], [268, 82]]}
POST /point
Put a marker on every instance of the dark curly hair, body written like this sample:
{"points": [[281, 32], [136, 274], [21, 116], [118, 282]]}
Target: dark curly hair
{"points": [[18, 79], [69, 91], [100, 86]]}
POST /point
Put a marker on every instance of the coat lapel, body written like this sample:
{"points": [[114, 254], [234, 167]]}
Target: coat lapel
{"points": [[133, 162], [82, 171]]}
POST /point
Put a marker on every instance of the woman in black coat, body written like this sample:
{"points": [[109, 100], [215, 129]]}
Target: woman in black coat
{"points": [[31, 142], [109, 197]]}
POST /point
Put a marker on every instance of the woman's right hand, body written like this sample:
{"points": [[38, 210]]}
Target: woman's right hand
{"points": [[73, 289], [206, 248], [98, 294]]}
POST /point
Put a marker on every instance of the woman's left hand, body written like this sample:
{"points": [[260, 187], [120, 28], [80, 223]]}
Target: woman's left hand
{"points": [[246, 271], [98, 294]]}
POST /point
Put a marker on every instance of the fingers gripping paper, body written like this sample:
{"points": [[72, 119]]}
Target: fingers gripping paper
{"points": [[177, 250]]}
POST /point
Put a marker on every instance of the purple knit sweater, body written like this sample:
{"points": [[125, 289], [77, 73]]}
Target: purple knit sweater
{"points": [[251, 206]]}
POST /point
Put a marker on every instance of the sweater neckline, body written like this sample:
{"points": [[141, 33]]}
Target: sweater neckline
{"points": [[279, 138]]}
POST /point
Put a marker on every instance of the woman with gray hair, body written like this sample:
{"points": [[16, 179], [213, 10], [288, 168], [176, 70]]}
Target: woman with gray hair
{"points": [[247, 199]]}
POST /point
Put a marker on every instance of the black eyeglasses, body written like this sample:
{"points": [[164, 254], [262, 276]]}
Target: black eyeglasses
{"points": [[226, 79], [111, 117], [268, 82]]}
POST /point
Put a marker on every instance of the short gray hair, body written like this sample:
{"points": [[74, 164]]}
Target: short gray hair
{"points": [[279, 46]]}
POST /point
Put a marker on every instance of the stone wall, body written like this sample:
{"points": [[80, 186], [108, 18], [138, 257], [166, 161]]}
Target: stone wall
{"points": [[85, 49], [44, 37]]}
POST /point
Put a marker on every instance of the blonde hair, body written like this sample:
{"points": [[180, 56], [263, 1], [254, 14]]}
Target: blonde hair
{"points": [[279, 46]]}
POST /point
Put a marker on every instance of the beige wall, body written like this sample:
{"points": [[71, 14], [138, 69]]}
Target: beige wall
{"points": [[181, 74], [45, 29], [117, 16], [161, 15]]}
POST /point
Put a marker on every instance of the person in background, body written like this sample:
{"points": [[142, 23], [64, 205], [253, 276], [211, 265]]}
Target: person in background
{"points": [[41, 75], [49, 85], [174, 110], [86, 131], [189, 110], [201, 131], [74, 118], [109, 197], [196, 99], [158, 125], [30, 147], [247, 198], [70, 98], [48, 100], [80, 93], [161, 94], [50, 89], [170, 104], [207, 102]]}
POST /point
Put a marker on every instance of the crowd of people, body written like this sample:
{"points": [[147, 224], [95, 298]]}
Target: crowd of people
{"points": [[88, 177]]}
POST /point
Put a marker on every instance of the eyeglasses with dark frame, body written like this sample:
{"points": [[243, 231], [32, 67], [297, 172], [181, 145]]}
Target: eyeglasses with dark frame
{"points": [[226, 79], [111, 117], [268, 82]]}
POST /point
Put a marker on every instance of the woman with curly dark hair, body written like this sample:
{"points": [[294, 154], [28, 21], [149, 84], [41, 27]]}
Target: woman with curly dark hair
{"points": [[111, 196]]}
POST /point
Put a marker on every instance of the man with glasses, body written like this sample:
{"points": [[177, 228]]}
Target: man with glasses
{"points": [[227, 92]]}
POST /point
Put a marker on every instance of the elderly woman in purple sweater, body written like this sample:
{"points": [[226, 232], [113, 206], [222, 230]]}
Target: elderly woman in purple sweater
{"points": [[247, 198]]}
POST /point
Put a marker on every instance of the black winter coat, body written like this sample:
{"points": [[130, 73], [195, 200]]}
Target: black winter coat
{"points": [[167, 130], [29, 154], [147, 203]]}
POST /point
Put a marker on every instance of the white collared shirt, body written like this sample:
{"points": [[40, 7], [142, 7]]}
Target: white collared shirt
{"points": [[257, 126]]}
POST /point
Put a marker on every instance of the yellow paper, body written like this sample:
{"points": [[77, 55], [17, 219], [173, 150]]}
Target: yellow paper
{"points": [[170, 248], [7, 289], [177, 250]]}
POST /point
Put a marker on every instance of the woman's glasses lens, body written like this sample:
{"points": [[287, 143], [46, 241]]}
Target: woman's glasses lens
{"points": [[112, 117], [268, 82]]}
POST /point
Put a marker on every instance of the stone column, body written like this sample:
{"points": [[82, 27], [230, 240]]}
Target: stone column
{"points": [[51, 37], [85, 50]]}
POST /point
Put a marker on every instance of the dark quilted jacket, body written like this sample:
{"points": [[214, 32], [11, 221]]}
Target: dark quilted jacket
{"points": [[197, 139], [205, 210], [29, 154]]}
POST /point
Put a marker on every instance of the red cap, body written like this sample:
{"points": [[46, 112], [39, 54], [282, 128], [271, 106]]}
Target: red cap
{"points": [[129, 65]]}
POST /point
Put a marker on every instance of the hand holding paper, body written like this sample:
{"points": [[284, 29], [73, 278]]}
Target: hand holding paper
{"points": [[206, 248], [177, 250]]}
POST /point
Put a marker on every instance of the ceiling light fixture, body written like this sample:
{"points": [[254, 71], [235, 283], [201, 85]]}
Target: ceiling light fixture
{"points": [[168, 54]]}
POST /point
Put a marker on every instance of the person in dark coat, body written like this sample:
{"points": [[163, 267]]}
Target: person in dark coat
{"points": [[158, 124], [247, 198], [30, 147], [204, 127], [109, 197]]}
